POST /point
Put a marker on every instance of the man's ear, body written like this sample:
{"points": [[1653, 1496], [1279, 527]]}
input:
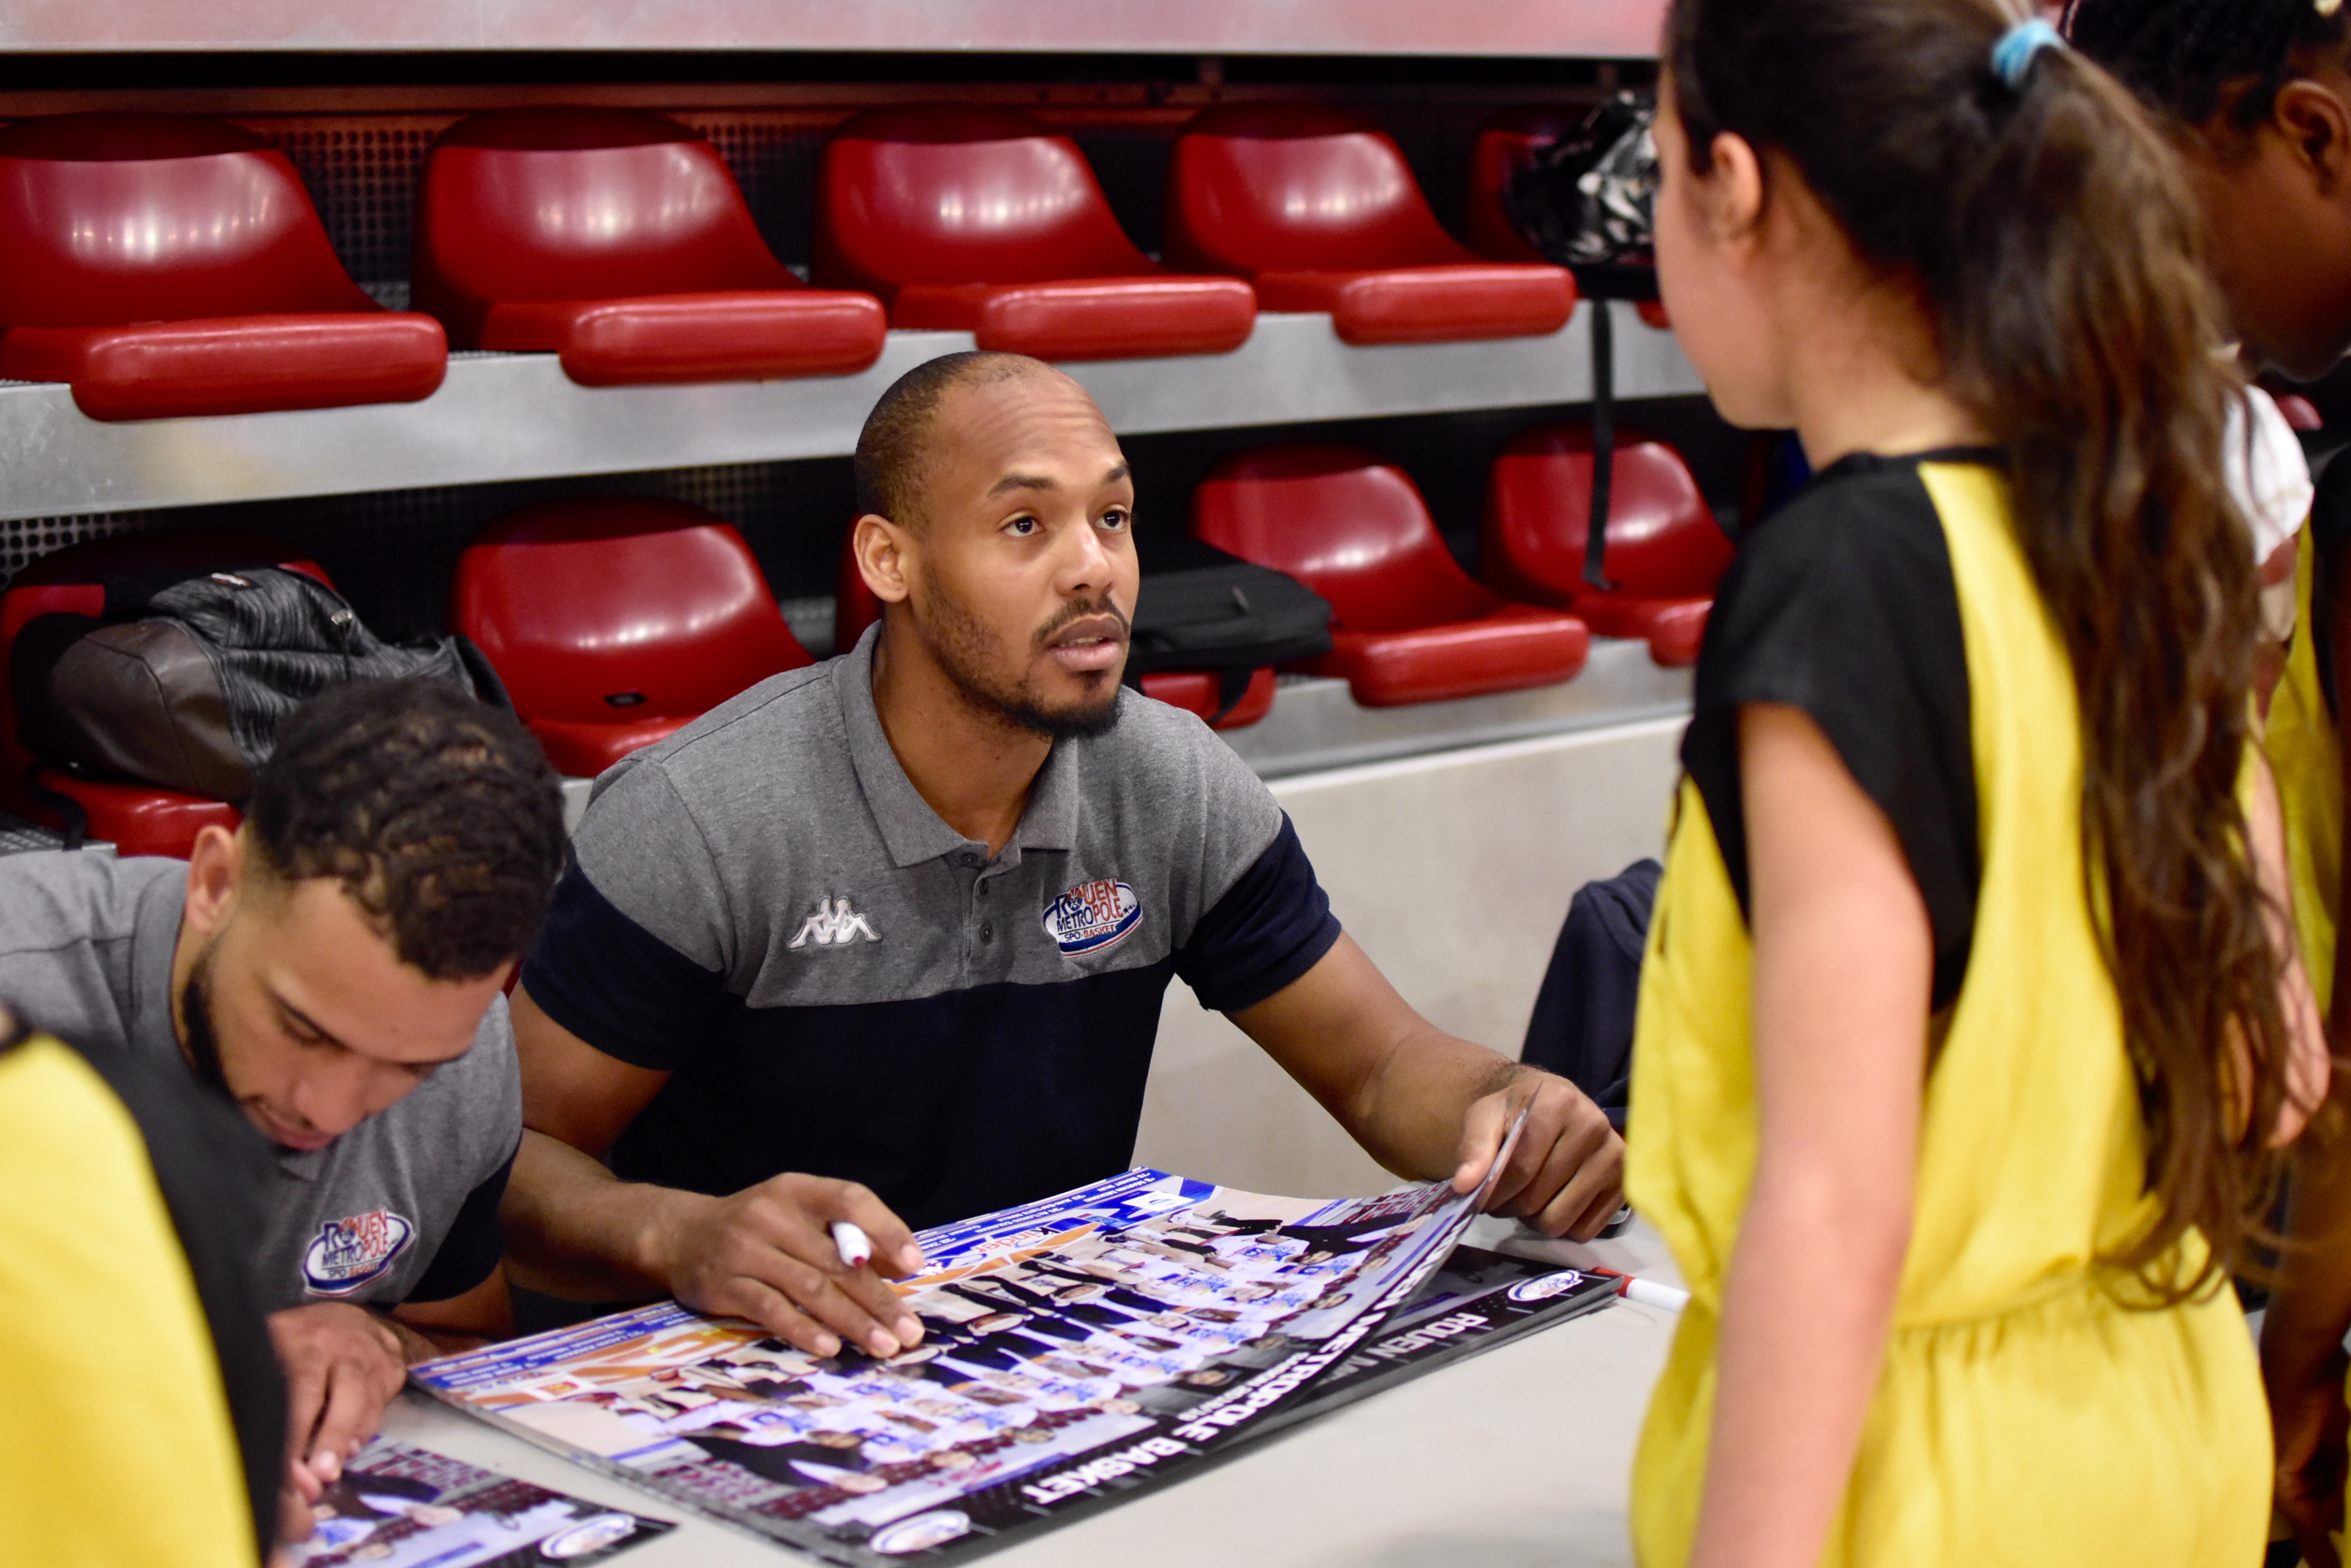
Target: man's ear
{"points": [[2312, 119], [880, 547], [217, 873]]}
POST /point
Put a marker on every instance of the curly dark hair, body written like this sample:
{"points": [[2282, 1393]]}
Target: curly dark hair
{"points": [[437, 813], [2181, 54]]}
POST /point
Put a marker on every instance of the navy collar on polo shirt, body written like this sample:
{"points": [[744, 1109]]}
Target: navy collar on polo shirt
{"points": [[911, 829]]}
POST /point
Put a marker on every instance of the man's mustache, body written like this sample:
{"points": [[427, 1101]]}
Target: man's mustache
{"points": [[1081, 610]]}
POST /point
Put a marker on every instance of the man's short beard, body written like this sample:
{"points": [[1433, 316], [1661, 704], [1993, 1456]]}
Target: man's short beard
{"points": [[956, 640], [202, 1042]]}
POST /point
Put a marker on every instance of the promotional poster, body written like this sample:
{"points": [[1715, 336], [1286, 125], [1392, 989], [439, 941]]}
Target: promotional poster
{"points": [[1075, 1349]]}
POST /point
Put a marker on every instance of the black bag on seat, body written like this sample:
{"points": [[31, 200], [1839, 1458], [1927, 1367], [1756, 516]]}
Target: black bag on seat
{"points": [[1582, 1025], [1200, 607], [183, 678]]}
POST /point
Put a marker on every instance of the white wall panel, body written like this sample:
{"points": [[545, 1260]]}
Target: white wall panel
{"points": [[1454, 871]]}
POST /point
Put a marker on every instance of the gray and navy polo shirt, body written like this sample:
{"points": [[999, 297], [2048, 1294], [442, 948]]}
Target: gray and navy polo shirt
{"points": [[839, 983], [404, 1206]]}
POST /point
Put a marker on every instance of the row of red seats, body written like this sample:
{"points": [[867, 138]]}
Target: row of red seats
{"points": [[613, 622], [166, 266]]}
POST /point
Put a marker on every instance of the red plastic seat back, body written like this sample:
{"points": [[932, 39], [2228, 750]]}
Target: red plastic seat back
{"points": [[1507, 144], [107, 219], [616, 608], [950, 194], [1261, 187], [580, 204], [1353, 529], [72, 582], [1663, 540]]}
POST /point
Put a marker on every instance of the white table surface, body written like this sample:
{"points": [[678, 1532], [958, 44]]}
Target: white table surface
{"points": [[1517, 1456]]}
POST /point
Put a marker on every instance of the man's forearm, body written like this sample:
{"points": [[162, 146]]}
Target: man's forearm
{"points": [[1410, 1113], [574, 1231]]}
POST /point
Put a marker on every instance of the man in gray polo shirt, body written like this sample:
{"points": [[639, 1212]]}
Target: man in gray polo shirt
{"points": [[884, 940], [334, 966]]}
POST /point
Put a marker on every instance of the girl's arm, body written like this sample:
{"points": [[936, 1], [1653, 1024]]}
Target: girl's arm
{"points": [[1843, 970]]}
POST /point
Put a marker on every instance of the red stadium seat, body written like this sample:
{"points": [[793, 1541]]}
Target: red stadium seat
{"points": [[1199, 692], [982, 220], [1666, 552], [1410, 625], [139, 819], [1318, 209], [618, 240], [1507, 144], [615, 621], [164, 266]]}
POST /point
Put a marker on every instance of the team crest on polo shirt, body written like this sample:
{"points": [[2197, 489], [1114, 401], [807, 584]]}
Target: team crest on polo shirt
{"points": [[1091, 916], [348, 1253]]}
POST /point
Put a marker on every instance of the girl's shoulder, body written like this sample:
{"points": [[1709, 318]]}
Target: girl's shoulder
{"points": [[1861, 546]]}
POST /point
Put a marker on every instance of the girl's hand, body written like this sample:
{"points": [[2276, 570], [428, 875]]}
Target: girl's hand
{"points": [[2309, 1421]]}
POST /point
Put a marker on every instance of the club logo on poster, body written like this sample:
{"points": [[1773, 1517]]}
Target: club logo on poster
{"points": [[923, 1532], [348, 1253], [1091, 916]]}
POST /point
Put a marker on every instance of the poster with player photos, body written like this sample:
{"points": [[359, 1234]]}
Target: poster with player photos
{"points": [[395, 1506], [1075, 1350]]}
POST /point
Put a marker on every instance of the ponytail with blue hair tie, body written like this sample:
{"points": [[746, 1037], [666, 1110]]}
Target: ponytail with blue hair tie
{"points": [[2013, 56]]}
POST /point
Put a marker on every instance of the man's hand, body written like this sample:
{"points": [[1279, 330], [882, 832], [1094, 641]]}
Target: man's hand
{"points": [[2309, 1422], [343, 1364], [766, 1254], [1566, 1176]]}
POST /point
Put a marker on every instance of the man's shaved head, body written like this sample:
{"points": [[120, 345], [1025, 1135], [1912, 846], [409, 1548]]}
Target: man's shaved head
{"points": [[891, 447]]}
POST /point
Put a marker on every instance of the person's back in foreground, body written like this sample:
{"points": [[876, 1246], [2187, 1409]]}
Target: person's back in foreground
{"points": [[1966, 1033]]}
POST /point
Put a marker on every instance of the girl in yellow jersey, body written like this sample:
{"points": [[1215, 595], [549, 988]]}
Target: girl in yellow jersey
{"points": [[1970, 1019], [2257, 94]]}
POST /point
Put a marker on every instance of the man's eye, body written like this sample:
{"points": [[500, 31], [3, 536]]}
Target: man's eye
{"points": [[1114, 519], [1021, 527]]}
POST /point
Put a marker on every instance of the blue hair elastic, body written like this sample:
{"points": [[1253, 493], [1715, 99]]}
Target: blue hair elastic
{"points": [[2014, 55]]}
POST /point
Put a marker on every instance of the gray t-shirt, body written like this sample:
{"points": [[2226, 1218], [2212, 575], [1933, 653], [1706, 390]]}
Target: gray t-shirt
{"points": [[402, 1207]]}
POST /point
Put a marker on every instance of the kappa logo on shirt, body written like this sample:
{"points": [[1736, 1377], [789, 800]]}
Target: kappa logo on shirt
{"points": [[1091, 916], [348, 1253], [834, 924]]}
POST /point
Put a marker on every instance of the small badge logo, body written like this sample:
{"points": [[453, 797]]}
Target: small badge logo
{"points": [[348, 1253], [1091, 916], [1543, 1287], [834, 924]]}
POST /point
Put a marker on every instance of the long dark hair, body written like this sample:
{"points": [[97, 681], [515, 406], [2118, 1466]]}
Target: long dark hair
{"points": [[2051, 238]]}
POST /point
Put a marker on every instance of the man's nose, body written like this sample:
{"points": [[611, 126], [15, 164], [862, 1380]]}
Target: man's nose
{"points": [[336, 1096], [1083, 561]]}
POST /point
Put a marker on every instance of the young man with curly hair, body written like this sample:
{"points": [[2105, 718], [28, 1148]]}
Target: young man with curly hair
{"points": [[335, 966]]}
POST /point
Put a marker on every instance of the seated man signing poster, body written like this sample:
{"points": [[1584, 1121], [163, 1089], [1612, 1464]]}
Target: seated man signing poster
{"points": [[333, 968], [884, 940]]}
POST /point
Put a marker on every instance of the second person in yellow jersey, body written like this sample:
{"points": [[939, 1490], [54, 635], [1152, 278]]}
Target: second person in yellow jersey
{"points": [[1970, 1022], [2256, 95]]}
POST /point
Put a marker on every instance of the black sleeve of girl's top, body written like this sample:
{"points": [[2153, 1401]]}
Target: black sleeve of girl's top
{"points": [[1843, 604]]}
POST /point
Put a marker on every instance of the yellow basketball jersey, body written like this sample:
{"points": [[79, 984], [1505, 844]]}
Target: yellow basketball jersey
{"points": [[2021, 1416]]}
